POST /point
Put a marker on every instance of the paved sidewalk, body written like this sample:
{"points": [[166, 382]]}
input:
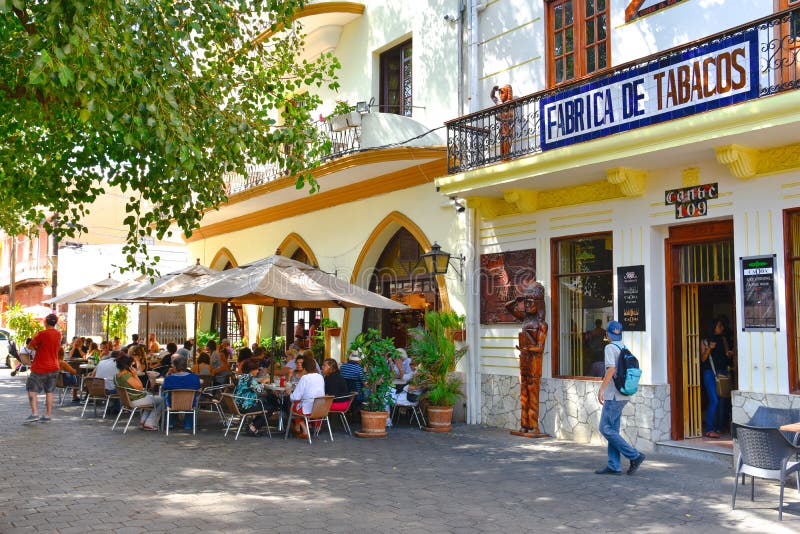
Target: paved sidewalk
{"points": [[76, 475]]}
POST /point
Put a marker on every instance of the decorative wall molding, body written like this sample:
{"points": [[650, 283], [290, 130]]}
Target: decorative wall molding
{"points": [[630, 181], [690, 177], [526, 201], [490, 207], [740, 160]]}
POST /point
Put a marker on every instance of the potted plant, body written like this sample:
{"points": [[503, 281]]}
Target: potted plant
{"points": [[460, 332], [338, 119], [330, 326], [435, 352], [375, 351]]}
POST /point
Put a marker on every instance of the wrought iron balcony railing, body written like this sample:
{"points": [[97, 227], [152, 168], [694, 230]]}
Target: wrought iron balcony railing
{"points": [[343, 143], [513, 129]]}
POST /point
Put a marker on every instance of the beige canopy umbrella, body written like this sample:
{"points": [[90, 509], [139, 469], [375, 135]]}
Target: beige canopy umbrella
{"points": [[137, 290], [81, 294], [275, 281]]}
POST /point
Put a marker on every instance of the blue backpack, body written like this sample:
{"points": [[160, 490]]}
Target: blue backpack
{"points": [[628, 373]]}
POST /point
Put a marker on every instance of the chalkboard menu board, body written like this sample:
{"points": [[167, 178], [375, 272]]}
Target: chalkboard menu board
{"points": [[760, 309], [630, 298]]}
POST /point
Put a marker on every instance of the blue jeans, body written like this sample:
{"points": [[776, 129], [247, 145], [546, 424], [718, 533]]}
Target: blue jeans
{"points": [[712, 410], [609, 427]]}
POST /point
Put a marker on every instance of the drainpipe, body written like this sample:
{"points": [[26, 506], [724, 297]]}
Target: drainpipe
{"points": [[475, 8], [472, 287], [461, 27]]}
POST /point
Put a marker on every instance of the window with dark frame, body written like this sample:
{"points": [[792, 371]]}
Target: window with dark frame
{"points": [[396, 89], [792, 254], [577, 39], [583, 303]]}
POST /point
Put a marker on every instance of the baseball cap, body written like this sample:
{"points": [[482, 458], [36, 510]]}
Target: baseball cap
{"points": [[614, 330]]}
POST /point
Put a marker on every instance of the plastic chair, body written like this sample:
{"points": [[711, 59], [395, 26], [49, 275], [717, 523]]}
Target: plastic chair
{"points": [[319, 413], [96, 391], [416, 411], [344, 410], [229, 402], [764, 453], [182, 401], [126, 405]]}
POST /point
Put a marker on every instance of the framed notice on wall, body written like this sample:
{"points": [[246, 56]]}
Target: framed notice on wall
{"points": [[759, 305], [630, 298]]}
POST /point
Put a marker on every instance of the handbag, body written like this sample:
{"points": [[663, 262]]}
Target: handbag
{"points": [[723, 381]]}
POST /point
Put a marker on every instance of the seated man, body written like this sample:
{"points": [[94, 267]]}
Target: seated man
{"points": [[181, 378], [353, 373], [107, 370]]}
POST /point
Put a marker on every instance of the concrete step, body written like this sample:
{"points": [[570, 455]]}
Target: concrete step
{"points": [[720, 452]]}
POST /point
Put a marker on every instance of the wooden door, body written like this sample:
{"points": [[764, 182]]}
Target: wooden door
{"points": [[690, 350]]}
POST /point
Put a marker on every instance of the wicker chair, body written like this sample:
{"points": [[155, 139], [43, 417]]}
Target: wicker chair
{"points": [[764, 453], [126, 405], [96, 391], [230, 406], [182, 401], [416, 411], [319, 413], [210, 399], [63, 386]]}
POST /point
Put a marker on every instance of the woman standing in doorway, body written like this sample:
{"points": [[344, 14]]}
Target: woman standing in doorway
{"points": [[715, 357]]}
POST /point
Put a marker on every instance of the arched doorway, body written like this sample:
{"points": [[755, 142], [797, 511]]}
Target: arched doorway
{"points": [[400, 275], [296, 322]]}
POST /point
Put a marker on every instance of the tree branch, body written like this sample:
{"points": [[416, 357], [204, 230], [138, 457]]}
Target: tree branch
{"points": [[22, 15]]}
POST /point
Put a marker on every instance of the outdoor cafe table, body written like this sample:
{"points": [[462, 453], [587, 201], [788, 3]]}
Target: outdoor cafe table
{"points": [[84, 369], [280, 391]]}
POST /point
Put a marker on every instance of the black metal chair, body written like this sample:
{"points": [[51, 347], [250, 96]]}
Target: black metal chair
{"points": [[764, 453]]}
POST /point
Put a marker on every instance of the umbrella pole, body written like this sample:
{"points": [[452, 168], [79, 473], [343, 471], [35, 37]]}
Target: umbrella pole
{"points": [[274, 327], [108, 322], [194, 334], [146, 324]]}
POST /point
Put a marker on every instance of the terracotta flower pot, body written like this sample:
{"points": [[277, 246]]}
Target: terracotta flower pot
{"points": [[440, 419], [373, 425], [334, 331], [460, 335]]}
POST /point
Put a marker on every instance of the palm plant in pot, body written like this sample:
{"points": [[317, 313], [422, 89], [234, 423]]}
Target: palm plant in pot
{"points": [[375, 352], [433, 349]]}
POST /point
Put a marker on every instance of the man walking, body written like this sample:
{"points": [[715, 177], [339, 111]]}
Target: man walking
{"points": [[613, 403], [44, 369]]}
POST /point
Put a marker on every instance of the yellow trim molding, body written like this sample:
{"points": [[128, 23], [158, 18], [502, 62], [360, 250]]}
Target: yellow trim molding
{"points": [[321, 8], [223, 253], [630, 181], [385, 155], [525, 200], [394, 181], [746, 163], [689, 178], [775, 110], [292, 242]]}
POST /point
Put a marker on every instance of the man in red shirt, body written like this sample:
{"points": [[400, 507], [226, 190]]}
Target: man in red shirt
{"points": [[44, 370]]}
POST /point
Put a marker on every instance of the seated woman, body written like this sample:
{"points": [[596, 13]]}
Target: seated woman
{"points": [[140, 366], [203, 365], [244, 355], [335, 384], [152, 345], [70, 375], [127, 378], [310, 386], [249, 390]]}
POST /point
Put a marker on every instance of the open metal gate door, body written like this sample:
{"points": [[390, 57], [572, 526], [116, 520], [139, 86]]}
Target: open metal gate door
{"points": [[690, 340]]}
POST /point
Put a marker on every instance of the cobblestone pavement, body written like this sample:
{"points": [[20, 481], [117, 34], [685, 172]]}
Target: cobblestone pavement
{"points": [[76, 475]]}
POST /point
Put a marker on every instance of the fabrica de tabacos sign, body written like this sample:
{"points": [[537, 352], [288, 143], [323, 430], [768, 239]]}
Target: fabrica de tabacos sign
{"points": [[691, 201], [707, 77]]}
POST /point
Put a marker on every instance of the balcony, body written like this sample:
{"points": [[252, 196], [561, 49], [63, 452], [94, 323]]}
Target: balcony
{"points": [[616, 101], [375, 131], [34, 270]]}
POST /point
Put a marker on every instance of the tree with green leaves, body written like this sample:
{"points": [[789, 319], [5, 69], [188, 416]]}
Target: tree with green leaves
{"points": [[22, 323], [160, 98], [115, 320]]}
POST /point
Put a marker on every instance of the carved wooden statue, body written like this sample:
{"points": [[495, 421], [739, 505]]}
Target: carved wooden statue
{"points": [[531, 346]]}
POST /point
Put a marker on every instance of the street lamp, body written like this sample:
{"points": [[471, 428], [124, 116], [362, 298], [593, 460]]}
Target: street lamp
{"points": [[437, 261]]}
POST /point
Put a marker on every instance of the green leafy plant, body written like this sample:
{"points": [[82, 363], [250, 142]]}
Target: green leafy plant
{"points": [[22, 323], [204, 337], [280, 346], [115, 320], [341, 108], [433, 349], [318, 339], [375, 352], [328, 323]]}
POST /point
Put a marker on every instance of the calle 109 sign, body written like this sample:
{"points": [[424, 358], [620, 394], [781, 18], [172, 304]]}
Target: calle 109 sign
{"points": [[691, 201], [707, 77]]}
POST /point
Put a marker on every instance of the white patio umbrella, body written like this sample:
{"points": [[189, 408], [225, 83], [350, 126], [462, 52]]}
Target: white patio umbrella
{"points": [[87, 291], [276, 281]]}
